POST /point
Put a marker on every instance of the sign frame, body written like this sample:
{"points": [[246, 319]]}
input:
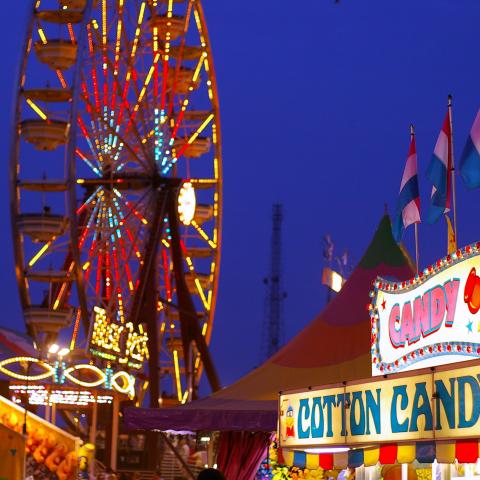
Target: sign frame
{"points": [[433, 435], [412, 326]]}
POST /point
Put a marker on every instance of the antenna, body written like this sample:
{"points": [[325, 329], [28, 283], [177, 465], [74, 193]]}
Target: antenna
{"points": [[273, 328]]}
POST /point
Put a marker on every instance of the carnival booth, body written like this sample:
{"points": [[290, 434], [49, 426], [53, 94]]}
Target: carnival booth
{"points": [[417, 414], [45, 453], [334, 347]]}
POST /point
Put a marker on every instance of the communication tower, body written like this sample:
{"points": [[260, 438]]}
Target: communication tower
{"points": [[273, 328]]}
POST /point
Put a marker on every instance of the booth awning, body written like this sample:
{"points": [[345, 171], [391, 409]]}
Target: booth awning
{"points": [[208, 414], [334, 347], [464, 451]]}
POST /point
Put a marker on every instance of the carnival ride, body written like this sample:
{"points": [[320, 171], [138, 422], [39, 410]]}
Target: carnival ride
{"points": [[116, 194]]}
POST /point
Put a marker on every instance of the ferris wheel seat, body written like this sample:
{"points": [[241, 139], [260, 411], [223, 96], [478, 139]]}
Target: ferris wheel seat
{"points": [[203, 279], [44, 185], [44, 320], [187, 52], [41, 227], [60, 16], [57, 54], [203, 183], [199, 252], [175, 344], [203, 213], [171, 27], [44, 134], [196, 149], [50, 276], [172, 314], [181, 81], [48, 94], [196, 115]]}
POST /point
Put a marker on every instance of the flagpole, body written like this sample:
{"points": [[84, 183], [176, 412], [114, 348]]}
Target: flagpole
{"points": [[412, 135], [453, 170]]}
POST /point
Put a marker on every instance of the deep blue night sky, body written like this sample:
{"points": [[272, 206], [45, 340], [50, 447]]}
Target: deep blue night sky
{"points": [[316, 100]]}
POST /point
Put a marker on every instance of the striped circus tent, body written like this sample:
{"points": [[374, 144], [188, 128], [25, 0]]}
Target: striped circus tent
{"points": [[334, 347]]}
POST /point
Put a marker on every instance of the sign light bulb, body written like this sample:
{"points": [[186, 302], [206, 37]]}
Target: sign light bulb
{"points": [[53, 349], [429, 320]]}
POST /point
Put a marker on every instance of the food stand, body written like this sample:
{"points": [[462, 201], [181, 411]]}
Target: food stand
{"points": [[418, 416]]}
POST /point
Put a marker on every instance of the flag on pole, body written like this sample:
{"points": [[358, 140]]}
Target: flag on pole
{"points": [[408, 203], [452, 241], [470, 161], [438, 173]]}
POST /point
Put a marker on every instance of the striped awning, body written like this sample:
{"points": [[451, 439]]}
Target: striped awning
{"points": [[464, 451]]}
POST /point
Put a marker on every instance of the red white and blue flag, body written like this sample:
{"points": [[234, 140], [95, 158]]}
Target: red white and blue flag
{"points": [[408, 204], [470, 161], [438, 173]]}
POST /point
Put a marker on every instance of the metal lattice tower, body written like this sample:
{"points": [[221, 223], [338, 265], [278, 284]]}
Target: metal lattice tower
{"points": [[273, 329]]}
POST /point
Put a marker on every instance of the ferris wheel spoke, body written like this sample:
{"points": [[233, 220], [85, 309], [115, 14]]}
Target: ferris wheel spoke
{"points": [[166, 274], [141, 96], [181, 49], [126, 264], [122, 140], [116, 299], [133, 51], [118, 42], [140, 101], [183, 108], [132, 208], [84, 158], [108, 66], [93, 70], [192, 138], [124, 106], [97, 155], [198, 285], [109, 143], [92, 197], [134, 249], [86, 265], [203, 234], [89, 228]]}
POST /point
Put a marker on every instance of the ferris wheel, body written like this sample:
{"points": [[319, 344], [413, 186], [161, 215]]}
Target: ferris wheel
{"points": [[116, 172]]}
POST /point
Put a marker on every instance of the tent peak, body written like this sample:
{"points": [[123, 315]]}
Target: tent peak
{"points": [[384, 249]]}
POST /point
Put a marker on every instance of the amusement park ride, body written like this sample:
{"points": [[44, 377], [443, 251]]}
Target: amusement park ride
{"points": [[116, 196]]}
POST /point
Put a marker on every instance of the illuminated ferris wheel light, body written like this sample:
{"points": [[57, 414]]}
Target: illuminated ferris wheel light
{"points": [[130, 103], [186, 203]]}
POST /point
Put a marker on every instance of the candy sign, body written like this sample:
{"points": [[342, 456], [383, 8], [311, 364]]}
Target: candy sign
{"points": [[430, 320], [438, 405]]}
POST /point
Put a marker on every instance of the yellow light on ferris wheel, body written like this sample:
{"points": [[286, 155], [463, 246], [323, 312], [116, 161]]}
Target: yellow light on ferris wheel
{"points": [[186, 203]]}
